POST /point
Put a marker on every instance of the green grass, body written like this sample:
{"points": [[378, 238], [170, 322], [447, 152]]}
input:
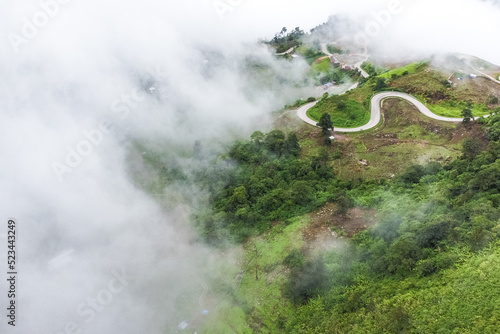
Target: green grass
{"points": [[355, 113], [262, 298], [454, 109], [462, 299], [411, 68], [334, 49], [228, 319], [322, 66], [309, 52]]}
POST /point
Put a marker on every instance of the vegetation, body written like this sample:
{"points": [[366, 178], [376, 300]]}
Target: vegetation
{"points": [[311, 52], [425, 267], [325, 123], [453, 108], [430, 264], [405, 70], [467, 115], [333, 49], [371, 69], [344, 111], [284, 40], [323, 71], [269, 183]]}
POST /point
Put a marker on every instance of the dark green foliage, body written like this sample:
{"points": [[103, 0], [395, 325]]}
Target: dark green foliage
{"points": [[344, 203], [285, 40], [427, 267], [325, 123], [268, 183], [471, 148], [381, 84], [307, 281], [492, 99], [467, 115], [295, 259], [446, 83], [369, 68], [435, 239]]}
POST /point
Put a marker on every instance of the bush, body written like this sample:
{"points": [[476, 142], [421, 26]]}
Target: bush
{"points": [[307, 282], [492, 99], [295, 259], [426, 268]]}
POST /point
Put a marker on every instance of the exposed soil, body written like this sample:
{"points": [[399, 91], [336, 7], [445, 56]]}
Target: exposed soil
{"points": [[320, 230], [472, 130], [354, 221]]}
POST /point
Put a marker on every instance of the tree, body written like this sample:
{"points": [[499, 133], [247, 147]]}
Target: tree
{"points": [[470, 148], [292, 145], [239, 198], [492, 99], [380, 84], [325, 123], [467, 115], [275, 141]]}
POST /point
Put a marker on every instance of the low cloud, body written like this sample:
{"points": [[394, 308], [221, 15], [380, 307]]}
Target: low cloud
{"points": [[166, 75]]}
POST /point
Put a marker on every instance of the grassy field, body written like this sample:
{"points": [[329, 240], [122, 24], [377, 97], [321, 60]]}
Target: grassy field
{"points": [[405, 138], [322, 66], [257, 302], [410, 68], [449, 109], [309, 53], [353, 113]]}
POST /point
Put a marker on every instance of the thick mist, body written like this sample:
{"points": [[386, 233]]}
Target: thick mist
{"points": [[82, 81]]}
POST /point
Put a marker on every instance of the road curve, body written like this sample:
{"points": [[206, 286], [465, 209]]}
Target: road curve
{"points": [[375, 111]]}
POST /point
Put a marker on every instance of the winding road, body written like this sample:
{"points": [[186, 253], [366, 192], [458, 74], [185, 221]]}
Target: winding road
{"points": [[377, 99], [375, 113], [376, 102]]}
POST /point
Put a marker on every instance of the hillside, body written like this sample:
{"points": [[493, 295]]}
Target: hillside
{"points": [[377, 231]]}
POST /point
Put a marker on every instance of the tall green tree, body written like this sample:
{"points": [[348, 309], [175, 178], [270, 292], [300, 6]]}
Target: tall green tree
{"points": [[467, 115], [292, 146], [325, 123], [380, 84], [471, 148]]}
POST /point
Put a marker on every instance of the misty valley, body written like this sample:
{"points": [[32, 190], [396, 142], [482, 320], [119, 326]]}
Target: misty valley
{"points": [[248, 167]]}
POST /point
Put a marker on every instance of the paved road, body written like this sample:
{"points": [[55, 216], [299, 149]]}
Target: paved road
{"points": [[376, 102], [284, 53], [484, 74], [375, 111]]}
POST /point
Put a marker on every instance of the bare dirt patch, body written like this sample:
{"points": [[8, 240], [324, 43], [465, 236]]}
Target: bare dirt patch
{"points": [[354, 221], [472, 130], [326, 220]]}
